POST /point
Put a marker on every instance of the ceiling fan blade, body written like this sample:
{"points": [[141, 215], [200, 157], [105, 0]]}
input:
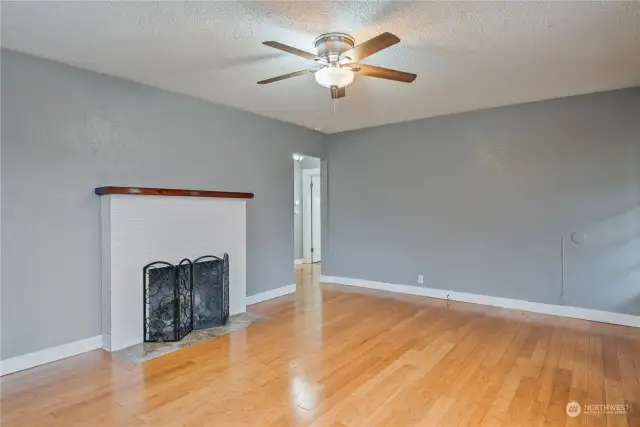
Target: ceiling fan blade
{"points": [[286, 76], [371, 46], [384, 73], [290, 49], [337, 92]]}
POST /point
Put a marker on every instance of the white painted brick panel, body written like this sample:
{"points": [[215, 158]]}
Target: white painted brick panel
{"points": [[144, 229]]}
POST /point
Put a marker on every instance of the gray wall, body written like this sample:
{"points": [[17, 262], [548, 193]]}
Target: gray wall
{"points": [[480, 202], [66, 131], [306, 163], [477, 202]]}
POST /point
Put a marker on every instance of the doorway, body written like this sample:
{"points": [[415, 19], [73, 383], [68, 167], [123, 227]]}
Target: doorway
{"points": [[307, 210]]}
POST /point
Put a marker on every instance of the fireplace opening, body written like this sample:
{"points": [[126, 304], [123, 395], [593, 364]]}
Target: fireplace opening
{"points": [[185, 297]]}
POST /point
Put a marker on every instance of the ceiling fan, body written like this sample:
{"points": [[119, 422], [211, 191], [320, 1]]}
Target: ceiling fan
{"points": [[338, 61]]}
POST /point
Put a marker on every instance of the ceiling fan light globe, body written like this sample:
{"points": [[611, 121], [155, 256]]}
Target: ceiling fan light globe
{"points": [[334, 76]]}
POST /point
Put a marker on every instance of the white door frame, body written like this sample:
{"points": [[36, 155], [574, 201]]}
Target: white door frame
{"points": [[306, 212]]}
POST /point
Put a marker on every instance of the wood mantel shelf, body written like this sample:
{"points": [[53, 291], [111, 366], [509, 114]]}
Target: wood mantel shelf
{"points": [[145, 191]]}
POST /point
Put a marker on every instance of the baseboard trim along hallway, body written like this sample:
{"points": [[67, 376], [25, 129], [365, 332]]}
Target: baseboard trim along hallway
{"points": [[273, 293], [48, 355], [534, 307]]}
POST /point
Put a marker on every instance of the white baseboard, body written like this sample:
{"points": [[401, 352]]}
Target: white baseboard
{"points": [[534, 307], [106, 342], [273, 293], [298, 261], [112, 345], [29, 360]]}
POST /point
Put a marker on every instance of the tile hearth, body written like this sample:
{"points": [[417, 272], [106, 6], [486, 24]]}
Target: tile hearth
{"points": [[146, 351]]}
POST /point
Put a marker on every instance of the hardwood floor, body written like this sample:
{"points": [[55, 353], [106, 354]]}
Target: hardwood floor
{"points": [[339, 356]]}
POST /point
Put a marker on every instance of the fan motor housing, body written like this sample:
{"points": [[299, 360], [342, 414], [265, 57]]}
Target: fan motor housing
{"points": [[331, 45]]}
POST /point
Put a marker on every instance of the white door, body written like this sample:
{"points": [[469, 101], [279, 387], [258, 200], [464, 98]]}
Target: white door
{"points": [[311, 215], [316, 219]]}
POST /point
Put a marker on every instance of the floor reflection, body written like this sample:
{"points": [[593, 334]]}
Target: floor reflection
{"points": [[306, 364]]}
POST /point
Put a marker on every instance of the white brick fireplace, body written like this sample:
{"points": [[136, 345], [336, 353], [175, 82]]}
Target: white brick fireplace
{"points": [[138, 228]]}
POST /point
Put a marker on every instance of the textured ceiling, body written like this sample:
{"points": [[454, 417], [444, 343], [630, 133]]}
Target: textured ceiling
{"points": [[467, 55]]}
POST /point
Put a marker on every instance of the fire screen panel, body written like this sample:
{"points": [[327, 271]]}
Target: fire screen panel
{"points": [[181, 298]]}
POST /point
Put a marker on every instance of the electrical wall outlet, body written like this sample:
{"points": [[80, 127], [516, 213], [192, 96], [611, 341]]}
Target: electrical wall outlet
{"points": [[420, 278]]}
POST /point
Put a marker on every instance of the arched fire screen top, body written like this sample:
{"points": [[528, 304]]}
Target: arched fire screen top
{"points": [[185, 297]]}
